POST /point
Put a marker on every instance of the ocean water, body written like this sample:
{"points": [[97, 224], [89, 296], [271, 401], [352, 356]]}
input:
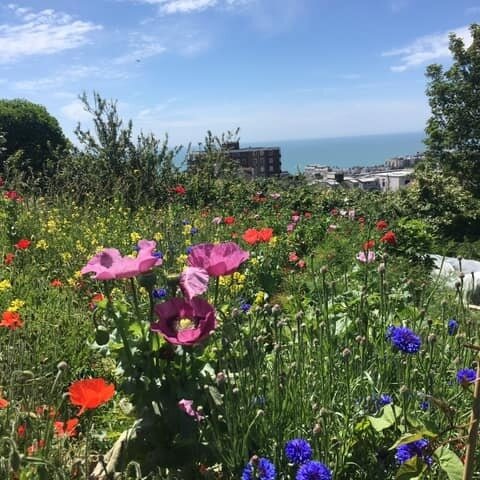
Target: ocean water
{"points": [[343, 151]]}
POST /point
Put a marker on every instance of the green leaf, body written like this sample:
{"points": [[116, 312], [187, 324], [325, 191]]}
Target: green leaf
{"points": [[449, 463], [411, 470], [407, 438], [388, 417]]}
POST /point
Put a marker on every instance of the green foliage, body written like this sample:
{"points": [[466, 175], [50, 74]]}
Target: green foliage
{"points": [[453, 130], [33, 136], [112, 162]]}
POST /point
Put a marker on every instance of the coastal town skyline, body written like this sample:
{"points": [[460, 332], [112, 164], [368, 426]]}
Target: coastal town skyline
{"points": [[290, 69]]}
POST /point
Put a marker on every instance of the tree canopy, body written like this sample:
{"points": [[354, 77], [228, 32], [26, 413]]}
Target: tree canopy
{"points": [[453, 130], [32, 134]]}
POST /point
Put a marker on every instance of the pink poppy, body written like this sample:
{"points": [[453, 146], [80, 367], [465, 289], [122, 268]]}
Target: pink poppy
{"points": [[109, 263], [183, 322], [219, 259], [368, 258], [187, 406]]}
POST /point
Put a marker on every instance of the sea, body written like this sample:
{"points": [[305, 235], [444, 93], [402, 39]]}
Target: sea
{"points": [[343, 152]]}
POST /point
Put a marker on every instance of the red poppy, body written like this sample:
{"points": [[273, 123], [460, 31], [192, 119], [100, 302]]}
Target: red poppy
{"points": [[46, 411], [381, 225], [389, 238], [66, 429], [265, 234], [301, 264], [9, 257], [179, 190], [11, 320], [229, 220], [98, 297], [23, 244], [21, 430], [4, 403], [56, 283], [35, 446], [13, 195], [251, 236], [369, 245], [90, 393]]}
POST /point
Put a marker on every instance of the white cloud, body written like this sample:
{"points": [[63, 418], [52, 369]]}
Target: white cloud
{"points": [[69, 75], [426, 49], [43, 32], [189, 6], [141, 48], [75, 111]]}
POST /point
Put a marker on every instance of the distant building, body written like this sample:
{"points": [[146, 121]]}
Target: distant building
{"points": [[394, 181], [368, 183], [253, 162], [404, 161]]}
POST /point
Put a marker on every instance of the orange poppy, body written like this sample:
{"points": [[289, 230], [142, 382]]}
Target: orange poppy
{"points": [[56, 283], [90, 393], [4, 403]]}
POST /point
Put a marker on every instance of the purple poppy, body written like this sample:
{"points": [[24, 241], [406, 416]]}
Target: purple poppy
{"points": [[183, 322], [366, 257], [110, 265]]}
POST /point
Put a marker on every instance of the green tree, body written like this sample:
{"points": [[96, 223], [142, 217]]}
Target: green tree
{"points": [[453, 130], [32, 136]]}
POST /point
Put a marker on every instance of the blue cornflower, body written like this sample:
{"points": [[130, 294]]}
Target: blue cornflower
{"points": [[424, 405], [385, 399], [466, 376], [298, 451], [452, 326], [193, 230], [158, 254], [189, 250], [245, 307], [185, 222], [159, 293], [413, 449], [314, 471], [404, 339], [263, 470]]}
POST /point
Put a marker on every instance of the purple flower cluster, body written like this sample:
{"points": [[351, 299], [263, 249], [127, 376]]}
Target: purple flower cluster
{"points": [[298, 451], [404, 339], [466, 376], [314, 471], [413, 449], [262, 470]]}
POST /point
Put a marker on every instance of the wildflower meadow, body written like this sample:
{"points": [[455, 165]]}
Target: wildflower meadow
{"points": [[274, 332]]}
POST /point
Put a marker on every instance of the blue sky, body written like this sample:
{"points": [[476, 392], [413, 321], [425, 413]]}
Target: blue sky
{"points": [[278, 69]]}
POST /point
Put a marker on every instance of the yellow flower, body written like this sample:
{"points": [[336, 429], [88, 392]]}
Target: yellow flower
{"points": [[16, 305], [135, 237], [5, 285], [254, 261], [66, 256], [182, 259], [260, 298], [187, 229], [41, 244], [80, 247], [51, 226], [273, 241], [157, 236]]}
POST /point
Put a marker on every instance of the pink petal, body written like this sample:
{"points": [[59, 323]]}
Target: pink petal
{"points": [[193, 281]]}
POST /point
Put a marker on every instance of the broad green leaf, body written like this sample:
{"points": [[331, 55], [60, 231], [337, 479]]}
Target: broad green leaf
{"points": [[411, 470], [388, 417], [407, 438], [449, 463]]}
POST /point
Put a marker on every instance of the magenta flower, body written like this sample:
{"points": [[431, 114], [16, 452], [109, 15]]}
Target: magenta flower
{"points": [[187, 406], [194, 281], [217, 259], [183, 322], [208, 259], [110, 265], [368, 258]]}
